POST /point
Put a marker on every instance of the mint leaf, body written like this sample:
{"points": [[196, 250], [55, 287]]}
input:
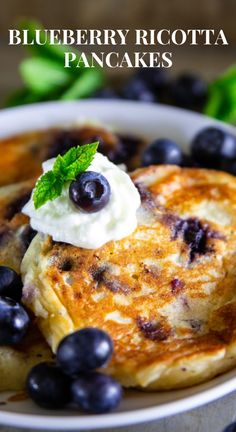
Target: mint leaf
{"points": [[59, 167], [75, 161], [48, 187], [65, 169]]}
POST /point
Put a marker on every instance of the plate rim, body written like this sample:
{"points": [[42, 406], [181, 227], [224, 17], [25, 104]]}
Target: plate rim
{"points": [[69, 106], [118, 419]]}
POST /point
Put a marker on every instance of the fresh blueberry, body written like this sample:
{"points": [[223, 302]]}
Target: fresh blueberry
{"points": [[137, 89], [96, 393], [84, 350], [162, 151], [230, 428], [48, 386], [10, 283], [90, 192], [156, 78], [188, 91], [106, 93], [212, 146], [14, 321]]}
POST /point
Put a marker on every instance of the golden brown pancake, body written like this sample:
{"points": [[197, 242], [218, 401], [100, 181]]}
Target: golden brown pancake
{"points": [[165, 294], [20, 164], [22, 155]]}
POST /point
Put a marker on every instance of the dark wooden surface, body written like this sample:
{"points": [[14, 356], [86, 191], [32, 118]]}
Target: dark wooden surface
{"points": [[123, 13]]}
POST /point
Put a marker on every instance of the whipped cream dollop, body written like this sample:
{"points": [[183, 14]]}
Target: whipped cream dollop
{"points": [[66, 223]]}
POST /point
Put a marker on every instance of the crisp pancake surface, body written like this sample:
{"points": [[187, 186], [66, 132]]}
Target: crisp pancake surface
{"points": [[166, 294]]}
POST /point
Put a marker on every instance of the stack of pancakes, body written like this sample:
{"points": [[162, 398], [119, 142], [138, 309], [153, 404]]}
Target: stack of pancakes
{"points": [[165, 294]]}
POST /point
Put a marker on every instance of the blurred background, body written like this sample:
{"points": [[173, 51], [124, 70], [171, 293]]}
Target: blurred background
{"points": [[205, 62]]}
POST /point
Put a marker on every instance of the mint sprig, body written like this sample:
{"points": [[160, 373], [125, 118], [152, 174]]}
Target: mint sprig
{"points": [[65, 168]]}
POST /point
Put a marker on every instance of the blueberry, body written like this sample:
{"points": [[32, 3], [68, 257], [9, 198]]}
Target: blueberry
{"points": [[14, 321], [195, 236], [90, 192], [212, 146], [188, 91], [137, 89], [10, 283], [156, 78], [84, 350], [230, 428], [48, 386], [162, 151], [96, 393]]}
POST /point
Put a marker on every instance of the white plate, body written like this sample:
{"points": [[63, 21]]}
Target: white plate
{"points": [[149, 121]]}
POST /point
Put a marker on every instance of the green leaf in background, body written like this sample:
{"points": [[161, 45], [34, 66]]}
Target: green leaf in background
{"points": [[52, 52], [22, 97], [45, 77], [42, 75], [221, 103], [84, 85], [55, 52]]}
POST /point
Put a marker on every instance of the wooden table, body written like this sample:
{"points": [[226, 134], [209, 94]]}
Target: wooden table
{"points": [[210, 418]]}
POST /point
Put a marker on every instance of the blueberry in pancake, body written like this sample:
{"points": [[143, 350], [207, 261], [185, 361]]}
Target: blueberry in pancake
{"points": [[15, 231], [15, 237], [26, 152], [165, 293], [20, 165]]}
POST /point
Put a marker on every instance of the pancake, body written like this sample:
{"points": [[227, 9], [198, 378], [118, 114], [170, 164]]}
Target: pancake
{"points": [[15, 236], [15, 232], [17, 361], [26, 152], [20, 165], [165, 294]]}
